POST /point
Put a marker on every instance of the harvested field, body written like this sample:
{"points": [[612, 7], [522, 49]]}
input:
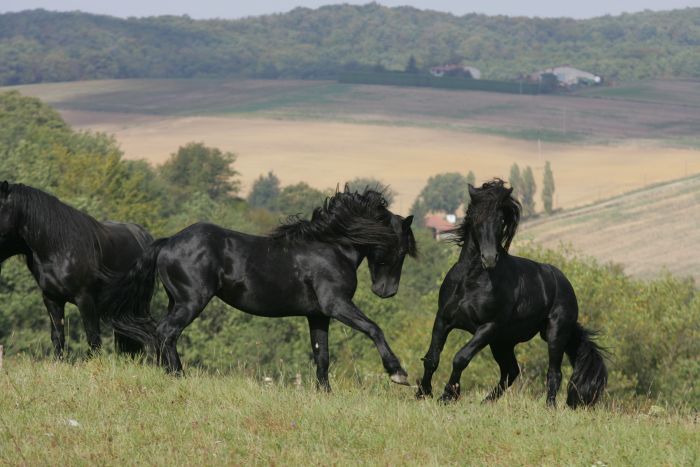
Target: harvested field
{"points": [[646, 231], [326, 153]]}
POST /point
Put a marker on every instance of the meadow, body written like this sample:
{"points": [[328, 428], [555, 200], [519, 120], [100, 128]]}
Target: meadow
{"points": [[113, 411]]}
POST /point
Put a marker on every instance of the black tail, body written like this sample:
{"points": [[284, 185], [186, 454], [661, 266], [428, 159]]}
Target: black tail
{"points": [[126, 301], [590, 375]]}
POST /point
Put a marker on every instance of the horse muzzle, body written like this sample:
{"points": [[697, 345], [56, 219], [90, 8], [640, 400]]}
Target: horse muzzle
{"points": [[489, 261]]}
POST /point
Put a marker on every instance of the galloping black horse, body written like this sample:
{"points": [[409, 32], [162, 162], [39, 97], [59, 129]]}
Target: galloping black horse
{"points": [[304, 268], [71, 256], [504, 300]]}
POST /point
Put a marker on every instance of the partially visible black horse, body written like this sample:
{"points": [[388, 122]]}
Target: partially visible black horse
{"points": [[71, 256], [504, 300], [304, 268]]}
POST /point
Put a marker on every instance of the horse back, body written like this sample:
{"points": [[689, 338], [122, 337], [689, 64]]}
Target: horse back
{"points": [[542, 288], [259, 275]]}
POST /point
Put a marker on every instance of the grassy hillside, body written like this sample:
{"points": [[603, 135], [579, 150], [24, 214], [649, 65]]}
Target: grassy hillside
{"points": [[39, 46], [108, 411], [645, 230]]}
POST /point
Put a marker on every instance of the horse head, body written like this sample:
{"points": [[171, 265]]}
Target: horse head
{"points": [[386, 261], [492, 218]]}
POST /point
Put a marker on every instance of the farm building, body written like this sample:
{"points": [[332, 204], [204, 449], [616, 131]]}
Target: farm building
{"points": [[456, 70], [440, 225], [568, 76]]}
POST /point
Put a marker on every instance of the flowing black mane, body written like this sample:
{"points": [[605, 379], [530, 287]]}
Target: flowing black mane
{"points": [[358, 218], [53, 225], [491, 196]]}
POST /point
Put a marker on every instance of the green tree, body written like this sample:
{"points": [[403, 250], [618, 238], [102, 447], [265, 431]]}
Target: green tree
{"points": [[471, 178], [411, 66], [528, 194], [516, 181], [548, 188], [265, 191], [419, 210], [362, 183], [198, 168], [299, 199], [445, 192]]}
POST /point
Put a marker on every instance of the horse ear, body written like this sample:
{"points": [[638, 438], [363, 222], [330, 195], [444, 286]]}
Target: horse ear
{"points": [[406, 223], [472, 190], [4, 188]]}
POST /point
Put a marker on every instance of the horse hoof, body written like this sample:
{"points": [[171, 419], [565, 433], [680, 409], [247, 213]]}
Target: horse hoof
{"points": [[400, 378], [422, 394], [447, 399]]}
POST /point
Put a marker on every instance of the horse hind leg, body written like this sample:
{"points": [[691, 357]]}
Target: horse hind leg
{"points": [[559, 331], [180, 315]]}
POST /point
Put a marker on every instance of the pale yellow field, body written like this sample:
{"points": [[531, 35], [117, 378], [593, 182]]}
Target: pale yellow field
{"points": [[326, 153]]}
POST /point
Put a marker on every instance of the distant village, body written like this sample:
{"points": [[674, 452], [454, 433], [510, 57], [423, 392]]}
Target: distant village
{"points": [[564, 76]]}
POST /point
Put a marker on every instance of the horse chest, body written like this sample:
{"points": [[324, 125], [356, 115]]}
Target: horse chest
{"points": [[478, 304]]}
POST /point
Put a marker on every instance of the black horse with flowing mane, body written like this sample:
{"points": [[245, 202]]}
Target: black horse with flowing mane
{"points": [[504, 300], [304, 268], [72, 256]]}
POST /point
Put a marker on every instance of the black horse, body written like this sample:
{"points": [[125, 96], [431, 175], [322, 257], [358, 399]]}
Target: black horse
{"points": [[304, 268], [71, 256], [504, 300]]}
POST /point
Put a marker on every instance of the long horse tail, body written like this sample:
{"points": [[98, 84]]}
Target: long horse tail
{"points": [[590, 374], [125, 302]]}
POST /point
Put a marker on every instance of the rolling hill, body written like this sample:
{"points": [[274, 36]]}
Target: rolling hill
{"points": [[646, 230]]}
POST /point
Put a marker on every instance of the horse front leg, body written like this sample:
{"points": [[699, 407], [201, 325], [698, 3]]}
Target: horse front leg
{"points": [[318, 329], [463, 357], [56, 315], [347, 313], [431, 361]]}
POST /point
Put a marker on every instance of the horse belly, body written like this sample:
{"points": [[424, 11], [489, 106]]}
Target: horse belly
{"points": [[270, 301]]}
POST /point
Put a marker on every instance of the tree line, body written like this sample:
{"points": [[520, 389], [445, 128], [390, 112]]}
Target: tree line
{"points": [[652, 327], [41, 46]]}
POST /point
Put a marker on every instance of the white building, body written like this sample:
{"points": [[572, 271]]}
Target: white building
{"points": [[455, 70], [570, 76]]}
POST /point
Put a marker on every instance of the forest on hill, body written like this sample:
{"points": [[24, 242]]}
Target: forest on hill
{"points": [[42, 46]]}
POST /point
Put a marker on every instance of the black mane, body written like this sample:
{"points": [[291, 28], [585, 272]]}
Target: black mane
{"points": [[360, 219], [53, 225], [491, 196]]}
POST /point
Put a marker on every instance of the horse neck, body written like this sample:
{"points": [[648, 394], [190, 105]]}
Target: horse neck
{"points": [[354, 254], [36, 237], [470, 254]]}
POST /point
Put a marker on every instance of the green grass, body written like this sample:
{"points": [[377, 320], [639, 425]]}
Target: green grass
{"points": [[109, 411]]}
